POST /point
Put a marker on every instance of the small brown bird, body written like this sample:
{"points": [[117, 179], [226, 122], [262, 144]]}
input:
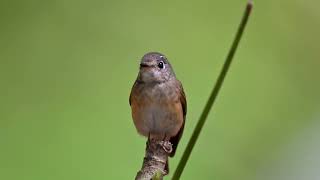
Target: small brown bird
{"points": [[157, 101]]}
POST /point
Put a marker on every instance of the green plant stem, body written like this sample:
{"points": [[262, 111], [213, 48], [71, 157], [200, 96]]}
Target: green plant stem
{"points": [[213, 94]]}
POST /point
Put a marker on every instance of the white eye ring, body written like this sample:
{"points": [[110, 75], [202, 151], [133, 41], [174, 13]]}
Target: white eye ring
{"points": [[161, 65]]}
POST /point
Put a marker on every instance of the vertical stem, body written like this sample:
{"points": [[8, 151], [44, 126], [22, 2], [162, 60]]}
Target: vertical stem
{"points": [[213, 94]]}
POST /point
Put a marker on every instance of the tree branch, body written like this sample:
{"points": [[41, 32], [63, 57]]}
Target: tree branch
{"points": [[155, 161]]}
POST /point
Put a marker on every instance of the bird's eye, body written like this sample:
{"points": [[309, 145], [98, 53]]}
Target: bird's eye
{"points": [[161, 65]]}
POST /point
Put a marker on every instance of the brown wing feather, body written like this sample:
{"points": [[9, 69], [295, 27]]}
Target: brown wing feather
{"points": [[130, 97], [175, 140]]}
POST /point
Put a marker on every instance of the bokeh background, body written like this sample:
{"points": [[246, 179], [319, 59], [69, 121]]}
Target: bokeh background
{"points": [[67, 67]]}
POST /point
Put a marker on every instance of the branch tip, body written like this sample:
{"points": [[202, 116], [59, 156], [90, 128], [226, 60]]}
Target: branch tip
{"points": [[250, 5]]}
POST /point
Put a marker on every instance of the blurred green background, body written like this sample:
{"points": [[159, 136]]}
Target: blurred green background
{"points": [[67, 67]]}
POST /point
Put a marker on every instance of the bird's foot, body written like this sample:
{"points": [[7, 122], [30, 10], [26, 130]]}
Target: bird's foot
{"points": [[167, 146]]}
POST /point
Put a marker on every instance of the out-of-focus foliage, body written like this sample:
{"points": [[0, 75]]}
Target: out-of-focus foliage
{"points": [[67, 67]]}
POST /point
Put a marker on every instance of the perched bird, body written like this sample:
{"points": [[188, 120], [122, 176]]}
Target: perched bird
{"points": [[158, 102]]}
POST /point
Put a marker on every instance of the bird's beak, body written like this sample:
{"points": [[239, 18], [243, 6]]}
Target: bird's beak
{"points": [[146, 65], [143, 65]]}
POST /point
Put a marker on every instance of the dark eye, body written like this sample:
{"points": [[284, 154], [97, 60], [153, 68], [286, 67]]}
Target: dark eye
{"points": [[161, 65]]}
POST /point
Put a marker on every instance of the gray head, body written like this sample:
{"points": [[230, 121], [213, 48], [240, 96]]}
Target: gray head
{"points": [[155, 67]]}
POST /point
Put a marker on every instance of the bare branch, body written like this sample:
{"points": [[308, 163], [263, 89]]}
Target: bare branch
{"points": [[155, 161]]}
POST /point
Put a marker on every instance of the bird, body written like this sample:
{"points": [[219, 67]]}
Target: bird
{"points": [[158, 101]]}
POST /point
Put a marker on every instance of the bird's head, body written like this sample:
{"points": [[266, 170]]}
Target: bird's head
{"points": [[155, 67]]}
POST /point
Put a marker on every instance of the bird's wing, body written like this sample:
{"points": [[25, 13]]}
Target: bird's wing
{"points": [[132, 89], [175, 140]]}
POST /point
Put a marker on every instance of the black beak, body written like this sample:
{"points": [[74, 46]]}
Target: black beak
{"points": [[144, 65]]}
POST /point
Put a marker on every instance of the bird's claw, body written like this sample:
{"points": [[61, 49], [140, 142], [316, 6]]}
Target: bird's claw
{"points": [[167, 146]]}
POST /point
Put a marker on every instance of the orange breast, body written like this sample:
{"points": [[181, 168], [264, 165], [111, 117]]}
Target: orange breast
{"points": [[160, 117]]}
